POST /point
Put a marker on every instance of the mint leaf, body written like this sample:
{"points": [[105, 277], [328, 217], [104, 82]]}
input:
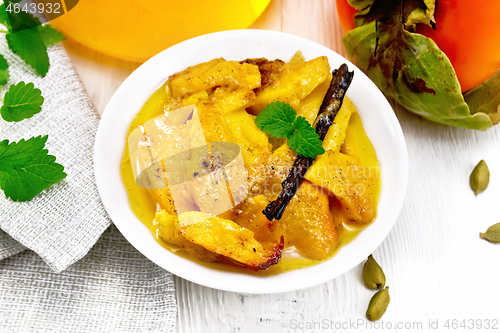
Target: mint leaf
{"points": [[19, 153], [49, 35], [301, 123], [277, 119], [30, 47], [26, 169], [4, 71], [305, 141], [20, 20], [4, 19], [21, 101]]}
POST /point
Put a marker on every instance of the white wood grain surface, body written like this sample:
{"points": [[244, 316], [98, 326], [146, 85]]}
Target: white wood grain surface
{"points": [[436, 266]]}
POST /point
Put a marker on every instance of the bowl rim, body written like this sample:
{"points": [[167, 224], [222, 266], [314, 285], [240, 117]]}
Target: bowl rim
{"points": [[134, 92]]}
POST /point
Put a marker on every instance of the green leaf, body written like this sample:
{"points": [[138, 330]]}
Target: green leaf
{"points": [[415, 11], [413, 71], [49, 35], [305, 141], [21, 20], [424, 14], [4, 19], [301, 124], [4, 70], [26, 169], [30, 47], [371, 10], [277, 119], [360, 4], [485, 98], [21, 101]]}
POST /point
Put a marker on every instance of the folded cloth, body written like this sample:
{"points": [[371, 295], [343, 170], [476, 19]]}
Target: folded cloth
{"points": [[8, 246], [112, 289], [62, 223]]}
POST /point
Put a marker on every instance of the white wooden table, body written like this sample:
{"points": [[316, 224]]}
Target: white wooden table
{"points": [[437, 268]]}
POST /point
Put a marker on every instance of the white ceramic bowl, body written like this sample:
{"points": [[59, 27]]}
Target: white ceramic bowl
{"points": [[380, 123]]}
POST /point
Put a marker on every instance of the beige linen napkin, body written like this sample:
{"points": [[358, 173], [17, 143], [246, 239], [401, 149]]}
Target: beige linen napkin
{"points": [[113, 288], [62, 223], [8, 246]]}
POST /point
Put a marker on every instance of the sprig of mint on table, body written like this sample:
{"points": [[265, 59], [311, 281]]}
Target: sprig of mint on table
{"points": [[28, 38], [26, 168], [279, 119]]}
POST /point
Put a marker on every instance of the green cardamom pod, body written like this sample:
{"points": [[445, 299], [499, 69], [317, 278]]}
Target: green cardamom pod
{"points": [[480, 177], [378, 304], [492, 234], [373, 275]]}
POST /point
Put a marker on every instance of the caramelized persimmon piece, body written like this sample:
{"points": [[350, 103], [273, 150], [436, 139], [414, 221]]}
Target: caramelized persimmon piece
{"points": [[166, 225], [227, 238], [350, 182], [337, 132], [266, 176], [243, 131], [215, 73], [248, 214], [226, 100], [309, 226], [281, 161], [309, 106], [214, 128], [290, 83]]}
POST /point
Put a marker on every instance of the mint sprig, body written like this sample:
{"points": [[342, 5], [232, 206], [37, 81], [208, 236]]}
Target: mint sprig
{"points": [[26, 169], [28, 38], [279, 119]]}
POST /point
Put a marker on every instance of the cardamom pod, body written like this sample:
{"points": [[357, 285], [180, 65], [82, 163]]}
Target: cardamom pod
{"points": [[480, 177], [492, 234], [378, 304], [373, 275]]}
